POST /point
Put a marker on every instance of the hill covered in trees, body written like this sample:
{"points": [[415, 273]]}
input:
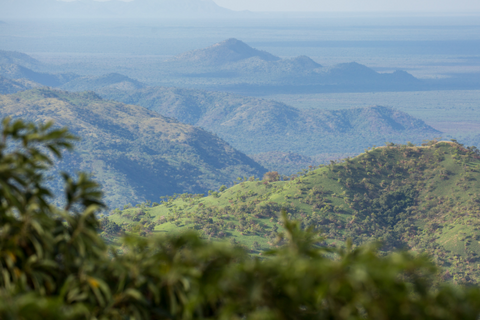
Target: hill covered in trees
{"points": [[103, 82], [19, 58], [16, 71], [424, 199], [135, 154], [12, 86], [255, 125]]}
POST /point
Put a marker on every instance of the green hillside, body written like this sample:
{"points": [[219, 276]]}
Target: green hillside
{"points": [[423, 199], [136, 154], [255, 125]]}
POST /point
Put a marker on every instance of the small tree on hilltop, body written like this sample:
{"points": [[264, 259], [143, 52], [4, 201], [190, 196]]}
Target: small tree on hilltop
{"points": [[271, 176]]}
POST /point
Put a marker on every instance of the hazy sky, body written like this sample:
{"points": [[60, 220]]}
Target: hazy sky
{"points": [[353, 5]]}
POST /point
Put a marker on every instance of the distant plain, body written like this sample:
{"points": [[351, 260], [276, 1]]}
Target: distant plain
{"points": [[454, 112]]}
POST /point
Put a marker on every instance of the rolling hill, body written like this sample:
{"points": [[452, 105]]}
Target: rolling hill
{"points": [[16, 65], [425, 199], [24, 71], [15, 71], [255, 125], [8, 86], [107, 81], [230, 65], [136, 154], [18, 58]]}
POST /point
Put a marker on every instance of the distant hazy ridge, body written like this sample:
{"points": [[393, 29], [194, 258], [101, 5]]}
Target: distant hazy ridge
{"points": [[256, 125], [135, 153]]}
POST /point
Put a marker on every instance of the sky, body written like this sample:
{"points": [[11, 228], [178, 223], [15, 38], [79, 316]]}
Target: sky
{"points": [[447, 6]]}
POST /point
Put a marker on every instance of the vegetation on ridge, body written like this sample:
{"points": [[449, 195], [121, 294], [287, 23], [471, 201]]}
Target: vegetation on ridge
{"points": [[255, 125], [136, 154], [424, 199]]}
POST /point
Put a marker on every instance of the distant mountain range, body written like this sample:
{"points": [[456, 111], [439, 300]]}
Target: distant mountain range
{"points": [[286, 163], [144, 9], [17, 72], [15, 57], [252, 125], [255, 125], [228, 51], [136, 154], [232, 65]]}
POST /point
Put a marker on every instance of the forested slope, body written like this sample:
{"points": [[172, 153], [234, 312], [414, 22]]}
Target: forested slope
{"points": [[12, 86], [255, 125], [136, 154], [423, 199]]}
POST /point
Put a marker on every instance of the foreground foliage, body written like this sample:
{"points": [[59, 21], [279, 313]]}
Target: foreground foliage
{"points": [[54, 264]]}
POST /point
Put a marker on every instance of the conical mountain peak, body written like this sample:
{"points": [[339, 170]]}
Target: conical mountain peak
{"points": [[230, 50]]}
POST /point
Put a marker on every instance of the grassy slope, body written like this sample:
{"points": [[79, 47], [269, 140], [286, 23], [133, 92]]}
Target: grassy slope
{"points": [[425, 199], [135, 153]]}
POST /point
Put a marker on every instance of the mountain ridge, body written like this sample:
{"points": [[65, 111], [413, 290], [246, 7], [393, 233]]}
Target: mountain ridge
{"points": [[18, 58], [106, 81], [16, 71], [256, 125], [136, 154], [220, 68], [8, 86], [227, 51]]}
